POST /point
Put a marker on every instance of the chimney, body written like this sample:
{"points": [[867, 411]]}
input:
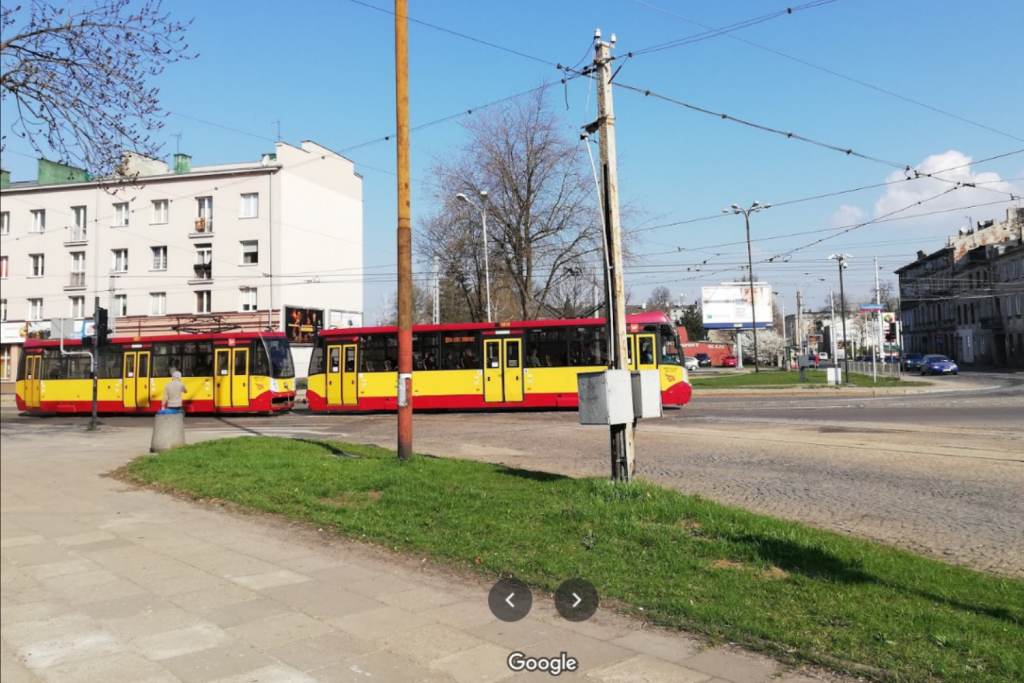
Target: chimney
{"points": [[920, 255], [56, 173], [182, 163]]}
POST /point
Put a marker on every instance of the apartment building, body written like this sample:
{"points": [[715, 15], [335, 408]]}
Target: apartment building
{"points": [[275, 243]]}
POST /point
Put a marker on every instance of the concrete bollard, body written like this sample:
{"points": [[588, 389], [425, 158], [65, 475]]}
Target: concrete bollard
{"points": [[168, 432]]}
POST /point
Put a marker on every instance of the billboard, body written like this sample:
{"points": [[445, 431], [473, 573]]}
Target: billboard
{"points": [[301, 325], [729, 305], [337, 319]]}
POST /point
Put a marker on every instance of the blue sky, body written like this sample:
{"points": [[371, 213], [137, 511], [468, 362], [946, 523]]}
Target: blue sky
{"points": [[326, 70]]}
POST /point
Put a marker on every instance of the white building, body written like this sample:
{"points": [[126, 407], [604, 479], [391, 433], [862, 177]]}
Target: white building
{"points": [[276, 243]]}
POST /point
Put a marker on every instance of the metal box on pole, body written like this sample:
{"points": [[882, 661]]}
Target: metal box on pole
{"points": [[646, 386], [606, 397]]}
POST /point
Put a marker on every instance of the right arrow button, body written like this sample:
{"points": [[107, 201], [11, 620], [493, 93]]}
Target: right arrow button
{"points": [[576, 600]]}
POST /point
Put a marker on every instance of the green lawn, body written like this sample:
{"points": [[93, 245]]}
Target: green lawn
{"points": [[778, 586], [781, 378]]}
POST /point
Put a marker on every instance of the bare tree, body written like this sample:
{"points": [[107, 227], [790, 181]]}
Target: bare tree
{"points": [[543, 220], [888, 295], [79, 73], [660, 299]]}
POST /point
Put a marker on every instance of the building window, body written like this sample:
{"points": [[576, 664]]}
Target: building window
{"points": [[120, 305], [3, 267], [204, 262], [5, 361], [250, 253], [79, 232], [38, 265], [35, 309], [38, 220], [204, 214], [159, 258], [158, 303], [78, 307], [161, 209], [248, 299], [77, 269], [203, 301], [5, 224], [250, 205], [3, 310], [122, 214], [120, 260]]}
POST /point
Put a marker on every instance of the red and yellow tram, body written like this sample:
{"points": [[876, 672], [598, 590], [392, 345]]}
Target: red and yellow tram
{"points": [[224, 372], [531, 364]]}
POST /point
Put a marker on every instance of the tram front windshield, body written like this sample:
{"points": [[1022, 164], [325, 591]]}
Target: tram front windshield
{"points": [[281, 364]]}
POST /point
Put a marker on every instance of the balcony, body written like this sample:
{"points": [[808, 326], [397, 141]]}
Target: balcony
{"points": [[203, 228], [75, 281], [991, 322], [203, 274], [78, 235]]}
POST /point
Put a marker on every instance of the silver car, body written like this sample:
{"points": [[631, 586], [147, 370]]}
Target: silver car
{"points": [[690, 363]]}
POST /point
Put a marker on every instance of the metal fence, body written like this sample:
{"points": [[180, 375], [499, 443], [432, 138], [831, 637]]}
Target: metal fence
{"points": [[861, 367]]}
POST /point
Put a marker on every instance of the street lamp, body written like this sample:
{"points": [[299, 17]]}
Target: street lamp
{"points": [[840, 259], [754, 208], [483, 217]]}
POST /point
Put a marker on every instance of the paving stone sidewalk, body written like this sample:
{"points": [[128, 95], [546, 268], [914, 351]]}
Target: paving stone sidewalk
{"points": [[104, 583]]}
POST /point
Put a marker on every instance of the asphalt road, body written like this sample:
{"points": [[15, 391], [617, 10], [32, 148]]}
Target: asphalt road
{"points": [[941, 474]]}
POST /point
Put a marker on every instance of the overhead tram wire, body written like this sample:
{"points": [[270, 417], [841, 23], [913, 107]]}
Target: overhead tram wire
{"points": [[728, 33]]}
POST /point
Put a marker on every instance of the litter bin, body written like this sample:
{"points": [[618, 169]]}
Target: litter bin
{"points": [[168, 431]]}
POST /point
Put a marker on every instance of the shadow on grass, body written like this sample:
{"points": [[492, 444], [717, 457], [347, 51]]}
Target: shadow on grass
{"points": [[824, 566], [543, 477], [328, 446]]}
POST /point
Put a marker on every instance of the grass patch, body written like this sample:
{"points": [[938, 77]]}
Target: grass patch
{"points": [[781, 378], [779, 586]]}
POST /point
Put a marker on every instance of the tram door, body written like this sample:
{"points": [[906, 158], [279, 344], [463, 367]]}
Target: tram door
{"points": [[503, 370], [33, 365], [342, 375], [135, 379], [647, 352], [231, 378]]}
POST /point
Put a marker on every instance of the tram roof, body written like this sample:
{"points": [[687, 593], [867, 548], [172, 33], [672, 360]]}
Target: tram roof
{"points": [[177, 337], [654, 318]]}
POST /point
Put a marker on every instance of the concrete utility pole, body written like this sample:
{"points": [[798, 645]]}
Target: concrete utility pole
{"points": [[94, 421], [878, 330], [404, 233], [878, 300], [755, 207], [621, 435], [840, 259], [437, 290], [832, 313], [799, 322]]}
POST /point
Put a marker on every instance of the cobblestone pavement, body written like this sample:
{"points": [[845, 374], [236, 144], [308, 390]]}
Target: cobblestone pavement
{"points": [[941, 475]]}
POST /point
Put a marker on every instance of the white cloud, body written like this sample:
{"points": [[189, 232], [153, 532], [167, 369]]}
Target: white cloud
{"points": [[908, 193], [847, 215]]}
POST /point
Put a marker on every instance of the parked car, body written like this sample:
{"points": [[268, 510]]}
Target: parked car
{"points": [[703, 360], [912, 361], [936, 364], [730, 362], [822, 356], [690, 363]]}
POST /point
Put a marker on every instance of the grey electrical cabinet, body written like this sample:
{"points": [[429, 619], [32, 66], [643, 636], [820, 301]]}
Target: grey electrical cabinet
{"points": [[646, 394], [606, 397]]}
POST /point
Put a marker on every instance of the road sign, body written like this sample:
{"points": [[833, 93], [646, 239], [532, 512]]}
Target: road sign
{"points": [[872, 307]]}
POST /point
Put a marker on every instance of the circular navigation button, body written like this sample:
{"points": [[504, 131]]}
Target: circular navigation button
{"points": [[576, 600], [510, 600]]}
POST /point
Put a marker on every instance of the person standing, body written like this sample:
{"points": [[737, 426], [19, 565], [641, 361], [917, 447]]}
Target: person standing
{"points": [[174, 393]]}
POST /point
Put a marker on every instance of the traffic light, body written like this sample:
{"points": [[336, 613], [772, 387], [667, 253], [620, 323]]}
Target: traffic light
{"points": [[102, 329], [890, 332]]}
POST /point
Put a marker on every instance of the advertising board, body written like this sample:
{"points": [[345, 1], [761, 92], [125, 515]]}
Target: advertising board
{"points": [[733, 305], [301, 325]]}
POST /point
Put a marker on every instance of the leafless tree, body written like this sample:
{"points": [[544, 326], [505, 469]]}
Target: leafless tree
{"points": [[660, 299], [79, 76], [543, 220]]}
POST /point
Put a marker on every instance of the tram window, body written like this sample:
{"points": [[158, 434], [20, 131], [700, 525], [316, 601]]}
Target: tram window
{"points": [[79, 367], [335, 364], [53, 365], [241, 361], [646, 350], [316, 359], [551, 346], [350, 359], [493, 352], [459, 351], [588, 346], [282, 366], [380, 353], [258, 362], [109, 363], [424, 351], [512, 355]]}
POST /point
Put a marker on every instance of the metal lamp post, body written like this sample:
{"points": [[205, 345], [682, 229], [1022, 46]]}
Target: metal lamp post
{"points": [[840, 259], [487, 262], [754, 208]]}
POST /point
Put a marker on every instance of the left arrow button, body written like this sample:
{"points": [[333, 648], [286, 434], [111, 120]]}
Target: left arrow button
{"points": [[501, 602]]}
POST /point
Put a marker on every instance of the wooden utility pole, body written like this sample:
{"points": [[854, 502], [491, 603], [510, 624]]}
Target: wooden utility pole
{"points": [[621, 435], [404, 233]]}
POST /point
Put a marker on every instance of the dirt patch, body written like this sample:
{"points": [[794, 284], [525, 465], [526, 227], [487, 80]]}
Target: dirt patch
{"points": [[771, 573], [350, 500], [775, 573], [728, 564], [690, 525]]}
